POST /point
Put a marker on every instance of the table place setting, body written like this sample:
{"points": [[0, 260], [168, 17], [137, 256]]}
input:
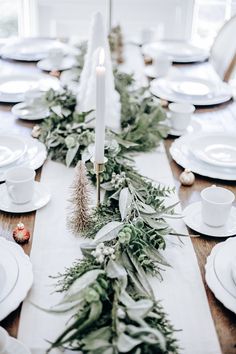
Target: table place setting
{"points": [[199, 92], [207, 154], [56, 60], [214, 215], [13, 87], [20, 152], [33, 106], [33, 49], [180, 52]]}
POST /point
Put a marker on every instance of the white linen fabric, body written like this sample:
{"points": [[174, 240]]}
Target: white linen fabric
{"points": [[54, 248]]}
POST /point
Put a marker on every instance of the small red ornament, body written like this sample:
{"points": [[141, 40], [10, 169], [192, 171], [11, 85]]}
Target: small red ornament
{"points": [[20, 234]]}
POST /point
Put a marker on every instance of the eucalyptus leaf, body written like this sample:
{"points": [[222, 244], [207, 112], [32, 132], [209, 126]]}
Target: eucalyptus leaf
{"points": [[125, 201], [70, 155], [108, 232], [115, 270], [81, 283], [139, 309], [126, 343]]}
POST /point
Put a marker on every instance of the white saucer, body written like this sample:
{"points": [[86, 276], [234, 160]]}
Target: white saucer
{"points": [[24, 281], [21, 110], [193, 219], [47, 65], [212, 279], [193, 127], [41, 198]]}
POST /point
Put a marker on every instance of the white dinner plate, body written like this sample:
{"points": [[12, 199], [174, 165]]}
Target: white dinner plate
{"points": [[13, 87], [31, 49], [14, 346], [180, 151], [24, 281], [34, 157], [9, 267], [233, 270], [41, 197], [220, 92], [216, 148], [179, 51], [11, 149], [222, 266], [212, 279], [21, 110], [193, 219], [47, 65]]}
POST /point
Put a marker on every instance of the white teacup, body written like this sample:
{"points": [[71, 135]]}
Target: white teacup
{"points": [[34, 98], [56, 56], [180, 115], [147, 35], [162, 64], [216, 205], [20, 184]]}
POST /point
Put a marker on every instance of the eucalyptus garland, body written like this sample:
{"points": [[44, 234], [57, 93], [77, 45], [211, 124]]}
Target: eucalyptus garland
{"points": [[108, 292]]}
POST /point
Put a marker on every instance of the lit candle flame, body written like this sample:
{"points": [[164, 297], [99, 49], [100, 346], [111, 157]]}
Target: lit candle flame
{"points": [[101, 58]]}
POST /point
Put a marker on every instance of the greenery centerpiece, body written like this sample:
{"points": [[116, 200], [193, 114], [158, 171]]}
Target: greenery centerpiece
{"points": [[109, 292]]}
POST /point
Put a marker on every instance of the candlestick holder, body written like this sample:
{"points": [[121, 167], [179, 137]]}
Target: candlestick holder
{"points": [[99, 168]]}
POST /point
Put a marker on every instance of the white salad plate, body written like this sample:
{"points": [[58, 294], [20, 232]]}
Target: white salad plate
{"points": [[48, 65], [13, 87], [11, 149], [179, 51], [193, 219], [192, 87], [41, 197], [31, 49], [181, 152], [24, 281], [22, 111], [216, 148], [9, 272], [217, 267], [175, 89], [34, 157]]}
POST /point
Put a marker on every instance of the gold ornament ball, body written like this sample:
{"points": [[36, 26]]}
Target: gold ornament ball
{"points": [[187, 178]]}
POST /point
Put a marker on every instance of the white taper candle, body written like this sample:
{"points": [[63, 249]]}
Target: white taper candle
{"points": [[100, 108]]}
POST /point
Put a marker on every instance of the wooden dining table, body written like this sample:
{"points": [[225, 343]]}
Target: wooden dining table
{"points": [[224, 320]]}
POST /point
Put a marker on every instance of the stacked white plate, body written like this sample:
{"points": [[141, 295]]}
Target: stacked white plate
{"points": [[16, 151], [178, 51], [221, 273], [48, 65], [193, 90], [207, 154], [31, 49], [16, 276], [14, 86]]}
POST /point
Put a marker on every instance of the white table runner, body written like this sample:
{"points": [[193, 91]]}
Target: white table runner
{"points": [[182, 290]]}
